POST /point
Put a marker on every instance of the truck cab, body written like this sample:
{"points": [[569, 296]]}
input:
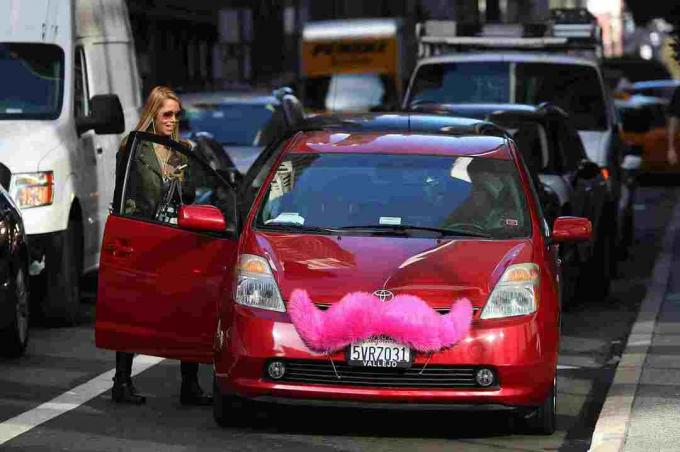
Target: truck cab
{"points": [[354, 65], [70, 89]]}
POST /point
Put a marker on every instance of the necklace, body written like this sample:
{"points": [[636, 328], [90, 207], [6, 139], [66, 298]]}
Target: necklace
{"points": [[163, 162]]}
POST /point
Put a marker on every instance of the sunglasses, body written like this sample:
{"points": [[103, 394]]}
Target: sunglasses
{"points": [[170, 114]]}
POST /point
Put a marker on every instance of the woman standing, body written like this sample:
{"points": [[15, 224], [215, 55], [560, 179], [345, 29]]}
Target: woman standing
{"points": [[156, 168]]}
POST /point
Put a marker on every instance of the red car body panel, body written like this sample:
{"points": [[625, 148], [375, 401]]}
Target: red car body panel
{"points": [[136, 287], [159, 288]]}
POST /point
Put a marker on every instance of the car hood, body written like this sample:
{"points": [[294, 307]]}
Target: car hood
{"points": [[24, 143], [329, 267]]}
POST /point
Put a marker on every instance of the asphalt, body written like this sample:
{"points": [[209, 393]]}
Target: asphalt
{"points": [[642, 409]]}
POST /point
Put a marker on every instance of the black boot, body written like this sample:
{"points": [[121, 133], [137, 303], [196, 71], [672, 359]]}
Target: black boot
{"points": [[123, 390], [191, 392]]}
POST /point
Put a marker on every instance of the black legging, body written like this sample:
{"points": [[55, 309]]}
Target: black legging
{"points": [[188, 370]]}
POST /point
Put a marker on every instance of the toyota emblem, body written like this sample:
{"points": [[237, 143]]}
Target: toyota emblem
{"points": [[384, 295]]}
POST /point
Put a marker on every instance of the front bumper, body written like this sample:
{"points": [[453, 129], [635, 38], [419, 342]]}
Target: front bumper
{"points": [[523, 352]]}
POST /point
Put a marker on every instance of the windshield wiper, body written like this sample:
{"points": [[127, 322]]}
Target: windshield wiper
{"points": [[409, 228], [289, 227]]}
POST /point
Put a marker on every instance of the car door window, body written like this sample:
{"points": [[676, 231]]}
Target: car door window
{"points": [[256, 176], [163, 175], [571, 146], [80, 88]]}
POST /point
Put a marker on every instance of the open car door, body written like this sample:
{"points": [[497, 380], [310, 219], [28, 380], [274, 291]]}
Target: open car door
{"points": [[167, 255]]}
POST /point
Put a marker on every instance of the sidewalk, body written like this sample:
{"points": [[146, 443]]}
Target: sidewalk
{"points": [[642, 410]]}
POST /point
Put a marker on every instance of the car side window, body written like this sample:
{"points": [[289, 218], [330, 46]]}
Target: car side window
{"points": [[571, 146], [256, 175], [160, 179], [80, 88]]}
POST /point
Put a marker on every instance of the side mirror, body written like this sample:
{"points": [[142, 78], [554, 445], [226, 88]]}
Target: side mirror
{"points": [[5, 176], [293, 112], [201, 218], [106, 116], [587, 169], [571, 229]]}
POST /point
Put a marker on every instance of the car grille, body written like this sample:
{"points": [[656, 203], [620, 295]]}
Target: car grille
{"points": [[441, 310], [321, 372]]}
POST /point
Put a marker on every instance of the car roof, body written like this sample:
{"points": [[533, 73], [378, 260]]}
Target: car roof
{"points": [[404, 143], [405, 122], [401, 133], [667, 83], [529, 57], [228, 97]]}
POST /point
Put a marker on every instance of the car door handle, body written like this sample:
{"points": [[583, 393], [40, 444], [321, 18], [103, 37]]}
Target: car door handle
{"points": [[118, 249]]}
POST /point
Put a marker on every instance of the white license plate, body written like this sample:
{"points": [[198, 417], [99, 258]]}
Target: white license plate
{"points": [[378, 352]]}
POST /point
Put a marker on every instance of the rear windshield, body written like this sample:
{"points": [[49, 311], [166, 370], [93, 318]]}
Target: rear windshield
{"points": [[390, 193], [32, 81], [573, 87], [236, 124]]}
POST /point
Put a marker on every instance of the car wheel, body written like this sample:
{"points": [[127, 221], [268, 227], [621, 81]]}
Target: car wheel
{"points": [[63, 263], [597, 273], [14, 338], [230, 411], [543, 420]]}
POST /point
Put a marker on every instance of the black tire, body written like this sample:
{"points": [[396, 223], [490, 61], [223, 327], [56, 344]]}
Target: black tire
{"points": [[543, 421], [63, 267], [230, 411], [596, 275], [14, 338]]}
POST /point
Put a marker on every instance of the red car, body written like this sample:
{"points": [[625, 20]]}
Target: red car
{"points": [[422, 210]]}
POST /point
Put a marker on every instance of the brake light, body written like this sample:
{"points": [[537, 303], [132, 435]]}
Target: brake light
{"points": [[605, 173]]}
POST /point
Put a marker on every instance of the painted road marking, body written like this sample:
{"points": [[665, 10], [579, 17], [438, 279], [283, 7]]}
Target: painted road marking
{"points": [[67, 401]]}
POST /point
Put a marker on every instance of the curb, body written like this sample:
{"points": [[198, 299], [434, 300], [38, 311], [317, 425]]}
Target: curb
{"points": [[614, 419]]}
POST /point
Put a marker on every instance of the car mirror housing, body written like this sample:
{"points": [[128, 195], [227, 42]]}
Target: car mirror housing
{"points": [[587, 169], [201, 218], [572, 229], [106, 116]]}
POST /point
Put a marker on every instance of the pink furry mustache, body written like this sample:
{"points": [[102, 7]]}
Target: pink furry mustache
{"points": [[406, 319]]}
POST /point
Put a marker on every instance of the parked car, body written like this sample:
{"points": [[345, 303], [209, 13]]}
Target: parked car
{"points": [[232, 128], [645, 131], [14, 264], [332, 211], [554, 154], [662, 89], [532, 77]]}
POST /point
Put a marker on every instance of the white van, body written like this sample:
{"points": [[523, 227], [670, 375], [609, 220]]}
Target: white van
{"points": [[69, 88]]}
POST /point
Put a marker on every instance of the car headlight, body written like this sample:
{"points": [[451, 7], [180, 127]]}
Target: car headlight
{"points": [[516, 293], [32, 189], [255, 284]]}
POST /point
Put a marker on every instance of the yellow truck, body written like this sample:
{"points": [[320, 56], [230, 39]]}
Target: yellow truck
{"points": [[354, 64]]}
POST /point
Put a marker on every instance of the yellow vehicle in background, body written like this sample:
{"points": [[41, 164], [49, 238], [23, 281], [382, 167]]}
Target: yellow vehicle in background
{"points": [[354, 64], [644, 128]]}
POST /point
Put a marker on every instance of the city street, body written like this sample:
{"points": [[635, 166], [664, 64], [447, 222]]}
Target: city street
{"points": [[58, 360]]}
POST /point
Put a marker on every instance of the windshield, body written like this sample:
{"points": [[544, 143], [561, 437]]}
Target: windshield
{"points": [[32, 81], [350, 93], [237, 124], [575, 88], [406, 193]]}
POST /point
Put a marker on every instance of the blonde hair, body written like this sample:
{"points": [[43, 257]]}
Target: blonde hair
{"points": [[154, 103]]}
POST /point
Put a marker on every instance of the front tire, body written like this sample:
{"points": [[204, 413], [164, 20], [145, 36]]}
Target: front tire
{"points": [[230, 411], [14, 338], [543, 420], [61, 280]]}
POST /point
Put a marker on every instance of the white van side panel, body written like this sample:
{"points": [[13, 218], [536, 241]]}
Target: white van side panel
{"points": [[37, 21]]}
